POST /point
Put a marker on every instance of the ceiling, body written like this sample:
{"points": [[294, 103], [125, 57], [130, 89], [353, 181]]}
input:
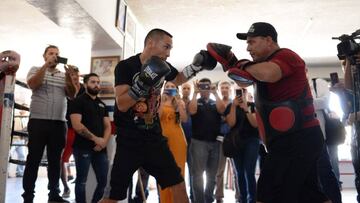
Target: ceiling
{"points": [[306, 26]]}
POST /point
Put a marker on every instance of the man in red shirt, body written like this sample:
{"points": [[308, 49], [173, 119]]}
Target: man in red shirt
{"points": [[285, 115]]}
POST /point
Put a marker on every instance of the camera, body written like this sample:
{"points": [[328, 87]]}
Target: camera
{"points": [[239, 92], [348, 46], [61, 60], [334, 78], [204, 86]]}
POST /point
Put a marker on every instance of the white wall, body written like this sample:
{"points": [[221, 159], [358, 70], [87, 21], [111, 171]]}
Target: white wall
{"points": [[106, 19], [104, 13]]}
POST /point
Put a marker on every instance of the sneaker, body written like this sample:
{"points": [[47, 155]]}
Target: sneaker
{"points": [[66, 193], [57, 199]]}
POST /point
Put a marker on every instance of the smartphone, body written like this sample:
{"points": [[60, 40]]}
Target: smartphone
{"points": [[239, 92], [204, 86], [334, 78], [171, 91], [62, 60]]}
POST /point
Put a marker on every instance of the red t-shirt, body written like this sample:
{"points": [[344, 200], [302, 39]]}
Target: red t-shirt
{"points": [[292, 83]]}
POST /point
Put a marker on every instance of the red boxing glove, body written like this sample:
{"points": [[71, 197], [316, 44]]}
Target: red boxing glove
{"points": [[240, 76], [223, 54]]}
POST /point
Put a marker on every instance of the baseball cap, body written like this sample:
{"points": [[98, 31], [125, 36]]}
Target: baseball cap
{"points": [[259, 29]]}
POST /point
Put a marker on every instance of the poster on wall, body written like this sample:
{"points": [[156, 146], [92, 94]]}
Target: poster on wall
{"points": [[120, 19], [104, 67], [130, 26]]}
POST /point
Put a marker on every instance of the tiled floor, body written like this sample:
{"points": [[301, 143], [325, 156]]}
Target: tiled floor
{"points": [[14, 190]]}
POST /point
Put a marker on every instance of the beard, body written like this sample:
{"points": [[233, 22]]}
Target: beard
{"points": [[53, 66], [94, 91]]}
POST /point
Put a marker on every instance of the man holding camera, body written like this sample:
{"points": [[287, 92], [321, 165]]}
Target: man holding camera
{"points": [[138, 82], [355, 141], [204, 148], [47, 123], [285, 115]]}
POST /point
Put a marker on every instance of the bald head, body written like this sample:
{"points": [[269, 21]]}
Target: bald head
{"points": [[186, 89]]}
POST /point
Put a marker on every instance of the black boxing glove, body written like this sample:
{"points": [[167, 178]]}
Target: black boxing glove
{"points": [[205, 60], [153, 71], [223, 54], [202, 61]]}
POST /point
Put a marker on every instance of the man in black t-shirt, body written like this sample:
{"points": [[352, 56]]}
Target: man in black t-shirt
{"points": [[91, 123], [138, 81]]}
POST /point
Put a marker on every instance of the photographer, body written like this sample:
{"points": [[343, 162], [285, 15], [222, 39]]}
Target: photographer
{"points": [[328, 169], [47, 122], [204, 148], [350, 77], [241, 117]]}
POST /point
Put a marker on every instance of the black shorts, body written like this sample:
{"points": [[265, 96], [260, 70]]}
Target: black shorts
{"points": [[153, 155], [289, 173]]}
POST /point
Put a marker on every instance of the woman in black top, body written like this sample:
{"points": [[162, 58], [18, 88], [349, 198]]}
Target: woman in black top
{"points": [[240, 115]]}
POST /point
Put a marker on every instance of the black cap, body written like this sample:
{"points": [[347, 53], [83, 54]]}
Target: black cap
{"points": [[259, 29]]}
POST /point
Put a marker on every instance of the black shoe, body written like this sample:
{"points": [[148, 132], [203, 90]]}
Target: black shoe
{"points": [[70, 177], [28, 198], [57, 199]]}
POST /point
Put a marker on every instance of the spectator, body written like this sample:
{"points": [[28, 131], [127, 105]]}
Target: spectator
{"points": [[352, 108], [70, 137], [241, 116], [327, 176], [204, 149], [47, 123], [91, 123], [185, 91], [172, 112], [225, 90]]}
